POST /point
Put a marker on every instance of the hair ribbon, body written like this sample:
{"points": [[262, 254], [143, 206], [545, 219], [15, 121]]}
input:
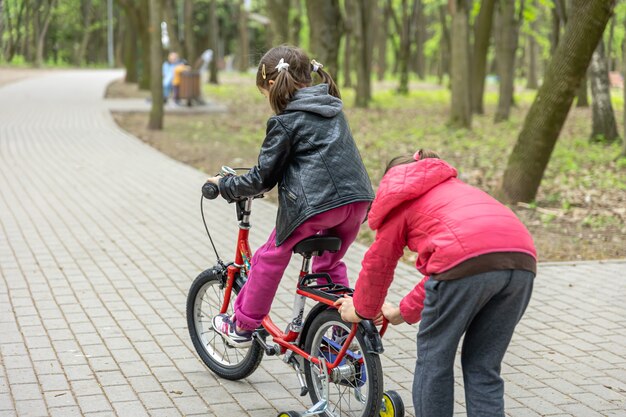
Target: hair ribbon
{"points": [[282, 65]]}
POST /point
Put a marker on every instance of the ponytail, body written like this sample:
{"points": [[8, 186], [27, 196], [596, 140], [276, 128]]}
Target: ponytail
{"points": [[282, 91], [333, 90]]}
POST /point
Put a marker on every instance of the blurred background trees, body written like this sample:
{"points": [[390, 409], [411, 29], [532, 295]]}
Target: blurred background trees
{"points": [[466, 45]]}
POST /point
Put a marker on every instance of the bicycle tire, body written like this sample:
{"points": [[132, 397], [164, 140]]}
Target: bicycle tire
{"points": [[372, 380], [247, 360]]}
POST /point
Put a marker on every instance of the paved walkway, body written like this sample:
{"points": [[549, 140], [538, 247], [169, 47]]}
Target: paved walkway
{"points": [[100, 238]]}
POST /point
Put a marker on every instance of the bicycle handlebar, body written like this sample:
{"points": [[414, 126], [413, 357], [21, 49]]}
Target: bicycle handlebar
{"points": [[210, 191]]}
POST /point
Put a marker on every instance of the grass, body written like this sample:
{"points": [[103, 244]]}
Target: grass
{"points": [[580, 208]]}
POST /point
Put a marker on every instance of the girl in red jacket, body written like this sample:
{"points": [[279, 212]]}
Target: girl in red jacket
{"points": [[478, 262]]}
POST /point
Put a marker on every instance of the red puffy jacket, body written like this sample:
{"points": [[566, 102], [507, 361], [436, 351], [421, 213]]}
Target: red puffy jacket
{"points": [[424, 206]]}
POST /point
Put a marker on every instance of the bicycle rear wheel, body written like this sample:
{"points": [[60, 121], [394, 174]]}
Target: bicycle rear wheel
{"points": [[204, 301], [356, 385]]}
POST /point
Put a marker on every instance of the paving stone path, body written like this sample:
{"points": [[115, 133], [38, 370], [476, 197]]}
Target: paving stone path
{"points": [[100, 238]]}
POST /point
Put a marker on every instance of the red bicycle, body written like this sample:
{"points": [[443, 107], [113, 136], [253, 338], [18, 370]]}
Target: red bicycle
{"points": [[336, 363]]}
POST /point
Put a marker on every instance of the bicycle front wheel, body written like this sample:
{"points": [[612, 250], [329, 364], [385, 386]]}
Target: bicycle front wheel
{"points": [[356, 385], [204, 301]]}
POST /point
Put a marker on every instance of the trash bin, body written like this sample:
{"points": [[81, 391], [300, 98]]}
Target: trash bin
{"points": [[190, 86]]}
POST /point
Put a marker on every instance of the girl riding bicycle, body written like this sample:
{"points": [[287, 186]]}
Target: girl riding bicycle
{"points": [[323, 187]]}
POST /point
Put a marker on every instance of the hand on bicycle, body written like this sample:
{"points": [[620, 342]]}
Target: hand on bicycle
{"points": [[392, 313], [345, 306], [348, 312], [214, 180]]}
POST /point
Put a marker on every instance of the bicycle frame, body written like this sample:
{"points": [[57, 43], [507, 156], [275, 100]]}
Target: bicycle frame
{"points": [[286, 341]]}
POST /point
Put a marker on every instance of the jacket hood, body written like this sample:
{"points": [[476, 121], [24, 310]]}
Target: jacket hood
{"points": [[407, 182], [315, 100]]}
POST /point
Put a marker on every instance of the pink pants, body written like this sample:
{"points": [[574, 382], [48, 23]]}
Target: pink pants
{"points": [[270, 261]]}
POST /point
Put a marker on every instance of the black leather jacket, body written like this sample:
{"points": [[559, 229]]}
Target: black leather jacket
{"points": [[310, 153]]}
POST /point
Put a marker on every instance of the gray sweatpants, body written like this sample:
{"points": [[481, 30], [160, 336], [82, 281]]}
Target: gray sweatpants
{"points": [[486, 308]]}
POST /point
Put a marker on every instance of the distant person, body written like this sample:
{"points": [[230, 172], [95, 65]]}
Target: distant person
{"points": [[479, 264], [168, 73]]}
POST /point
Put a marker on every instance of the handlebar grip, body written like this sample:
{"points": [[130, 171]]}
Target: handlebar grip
{"points": [[210, 191]]}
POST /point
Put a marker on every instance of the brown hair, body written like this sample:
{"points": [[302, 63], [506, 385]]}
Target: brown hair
{"points": [[287, 82], [407, 159]]}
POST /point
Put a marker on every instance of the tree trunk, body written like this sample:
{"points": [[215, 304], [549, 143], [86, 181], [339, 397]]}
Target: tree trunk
{"points": [[604, 128], [348, 52], [296, 23], [549, 110], [119, 44], [556, 32], [156, 76], [421, 36], [82, 49], [609, 46], [190, 40], [445, 45], [243, 38], [623, 154], [461, 112], [325, 30], [130, 50], [278, 11], [382, 45], [144, 36], [214, 41], [1, 29], [405, 48], [41, 39], [364, 46], [506, 58], [482, 35], [169, 15], [582, 96], [532, 81]]}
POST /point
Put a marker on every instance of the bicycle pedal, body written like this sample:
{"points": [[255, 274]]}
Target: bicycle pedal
{"points": [[269, 350]]}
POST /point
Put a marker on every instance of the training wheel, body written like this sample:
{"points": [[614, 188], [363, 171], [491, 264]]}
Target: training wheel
{"points": [[392, 405], [289, 414]]}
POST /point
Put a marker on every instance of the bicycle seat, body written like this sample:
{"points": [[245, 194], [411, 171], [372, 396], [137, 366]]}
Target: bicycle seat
{"points": [[317, 245]]}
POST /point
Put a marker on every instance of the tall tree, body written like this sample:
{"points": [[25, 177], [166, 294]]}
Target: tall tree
{"points": [[548, 112], [171, 19], [404, 26], [325, 31], [244, 45], [278, 11], [190, 39], [156, 53], [421, 36], [383, 38], [445, 45], [49, 6], [532, 81], [87, 15], [348, 41], [582, 96], [296, 22], [482, 35], [509, 35], [461, 112], [364, 47], [604, 128], [1, 29], [623, 154], [130, 51], [213, 41]]}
